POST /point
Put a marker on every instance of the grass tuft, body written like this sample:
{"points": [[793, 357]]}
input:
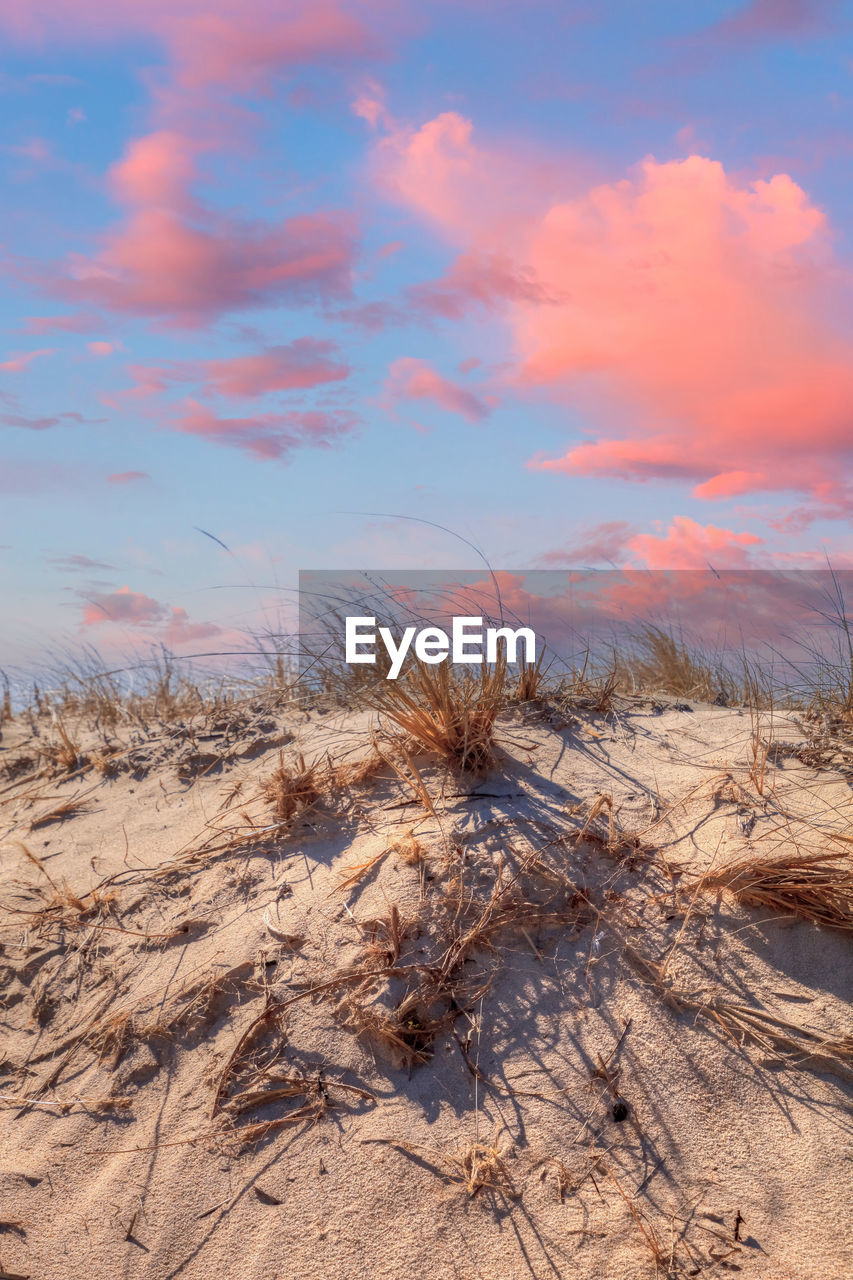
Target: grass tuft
{"points": [[450, 716], [816, 886], [291, 790]]}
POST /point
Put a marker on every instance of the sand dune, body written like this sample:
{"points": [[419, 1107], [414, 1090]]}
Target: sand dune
{"points": [[254, 1028]]}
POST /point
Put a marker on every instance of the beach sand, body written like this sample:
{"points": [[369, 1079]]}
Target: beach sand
{"points": [[562, 1092]]}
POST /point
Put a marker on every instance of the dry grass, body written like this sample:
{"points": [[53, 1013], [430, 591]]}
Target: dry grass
{"points": [[359, 772], [660, 1256], [583, 689], [661, 663], [450, 716], [65, 754], [783, 1041], [480, 1164], [531, 680], [408, 848], [814, 886], [293, 789], [403, 1034], [306, 1099], [58, 814]]}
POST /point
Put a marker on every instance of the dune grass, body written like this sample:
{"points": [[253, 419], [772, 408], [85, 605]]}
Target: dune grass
{"points": [[813, 886], [448, 715]]}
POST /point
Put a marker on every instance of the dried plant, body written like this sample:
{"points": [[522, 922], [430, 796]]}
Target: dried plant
{"points": [[408, 848], [450, 716], [291, 790], [814, 886], [64, 754], [662, 663], [480, 1165], [530, 682], [404, 1033], [796, 1045]]}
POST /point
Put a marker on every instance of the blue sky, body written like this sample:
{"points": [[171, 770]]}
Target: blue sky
{"points": [[336, 166]]}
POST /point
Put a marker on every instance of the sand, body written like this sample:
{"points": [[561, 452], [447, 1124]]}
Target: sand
{"points": [[569, 1118]]}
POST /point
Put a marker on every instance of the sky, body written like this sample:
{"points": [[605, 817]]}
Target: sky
{"points": [[570, 280]]}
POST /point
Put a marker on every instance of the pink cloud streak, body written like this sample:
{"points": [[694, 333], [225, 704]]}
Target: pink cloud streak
{"points": [[293, 366], [411, 379], [268, 436]]}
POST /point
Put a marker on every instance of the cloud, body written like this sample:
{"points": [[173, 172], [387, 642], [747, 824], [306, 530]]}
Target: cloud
{"points": [[268, 435], [168, 624], [22, 479], [462, 188], [171, 258], [602, 542], [179, 629], [38, 150], [705, 315], [124, 606], [370, 105], [127, 477], [698, 323], [242, 44], [688, 545], [102, 348], [174, 260], [762, 20], [78, 322], [484, 279], [297, 365], [411, 379], [372, 317], [28, 422], [22, 360], [77, 563], [164, 266]]}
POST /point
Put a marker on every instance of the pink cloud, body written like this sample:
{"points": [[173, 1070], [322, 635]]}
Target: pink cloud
{"points": [[411, 379], [268, 435], [78, 322], [169, 624], [21, 361], [700, 312], [123, 606], [370, 104], [174, 260], [305, 362], [698, 322], [439, 170], [485, 279], [31, 422], [480, 195], [77, 563], [127, 477], [372, 317], [157, 170], [243, 44], [36, 149], [602, 542], [688, 545], [298, 365], [179, 629], [102, 348], [186, 273], [768, 19]]}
